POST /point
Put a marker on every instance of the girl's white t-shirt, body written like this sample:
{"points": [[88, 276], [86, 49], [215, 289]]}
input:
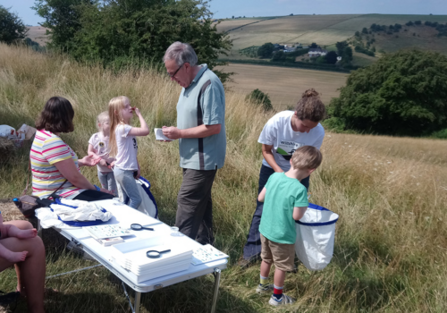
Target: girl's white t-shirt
{"points": [[126, 158], [278, 133], [101, 144]]}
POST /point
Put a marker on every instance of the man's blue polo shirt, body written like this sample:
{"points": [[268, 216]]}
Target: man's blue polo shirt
{"points": [[202, 102]]}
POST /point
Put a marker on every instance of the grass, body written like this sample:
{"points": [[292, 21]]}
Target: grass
{"points": [[390, 193], [284, 85]]}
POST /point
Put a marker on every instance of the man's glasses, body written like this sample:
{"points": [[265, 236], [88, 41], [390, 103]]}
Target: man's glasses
{"points": [[175, 73]]}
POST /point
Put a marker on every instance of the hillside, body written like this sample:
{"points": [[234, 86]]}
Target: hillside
{"points": [[38, 34], [326, 30]]}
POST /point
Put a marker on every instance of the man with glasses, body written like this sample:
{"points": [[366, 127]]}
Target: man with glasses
{"points": [[202, 140]]}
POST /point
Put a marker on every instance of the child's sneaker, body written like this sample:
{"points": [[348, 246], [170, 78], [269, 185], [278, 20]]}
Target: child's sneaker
{"points": [[264, 289], [285, 299]]}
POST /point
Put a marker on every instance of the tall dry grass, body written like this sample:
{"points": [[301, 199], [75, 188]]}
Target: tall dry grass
{"points": [[390, 193]]}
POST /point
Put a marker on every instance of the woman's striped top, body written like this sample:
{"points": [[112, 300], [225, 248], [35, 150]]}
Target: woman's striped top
{"points": [[47, 150]]}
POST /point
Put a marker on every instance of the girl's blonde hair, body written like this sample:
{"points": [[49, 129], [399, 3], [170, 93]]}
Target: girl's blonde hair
{"points": [[115, 117], [102, 117]]}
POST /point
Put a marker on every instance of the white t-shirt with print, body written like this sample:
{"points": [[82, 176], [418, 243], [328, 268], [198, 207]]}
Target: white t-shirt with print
{"points": [[126, 158], [278, 133], [101, 144]]}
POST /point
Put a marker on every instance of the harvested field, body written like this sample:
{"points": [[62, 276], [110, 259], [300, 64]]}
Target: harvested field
{"points": [[284, 85]]}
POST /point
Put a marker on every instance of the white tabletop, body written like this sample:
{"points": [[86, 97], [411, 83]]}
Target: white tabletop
{"points": [[124, 216]]}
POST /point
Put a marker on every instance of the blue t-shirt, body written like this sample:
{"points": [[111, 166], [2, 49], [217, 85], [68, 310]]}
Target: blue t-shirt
{"points": [[202, 153], [283, 194]]}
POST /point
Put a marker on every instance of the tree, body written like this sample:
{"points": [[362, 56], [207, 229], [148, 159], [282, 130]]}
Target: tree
{"points": [[12, 28], [279, 56], [119, 33], [260, 98], [266, 50], [346, 56], [364, 30], [401, 94], [331, 57], [341, 47], [62, 18], [313, 45]]}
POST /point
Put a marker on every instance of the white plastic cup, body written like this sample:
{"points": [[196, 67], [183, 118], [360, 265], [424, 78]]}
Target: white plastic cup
{"points": [[175, 232]]}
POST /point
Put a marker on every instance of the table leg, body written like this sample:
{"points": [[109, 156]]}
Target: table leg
{"points": [[216, 274], [135, 308], [39, 229], [137, 301]]}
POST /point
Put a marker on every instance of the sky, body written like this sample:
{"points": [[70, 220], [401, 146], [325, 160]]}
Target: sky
{"points": [[250, 8]]}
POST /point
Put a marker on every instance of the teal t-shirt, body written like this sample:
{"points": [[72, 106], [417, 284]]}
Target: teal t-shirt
{"points": [[283, 194], [202, 153]]}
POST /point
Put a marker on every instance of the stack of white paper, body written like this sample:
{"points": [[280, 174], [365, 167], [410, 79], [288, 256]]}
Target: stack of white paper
{"points": [[133, 257]]}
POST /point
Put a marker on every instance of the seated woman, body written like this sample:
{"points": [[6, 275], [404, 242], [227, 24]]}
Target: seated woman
{"points": [[31, 271], [54, 165]]}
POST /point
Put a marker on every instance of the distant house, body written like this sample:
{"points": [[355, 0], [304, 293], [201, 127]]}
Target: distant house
{"points": [[316, 52], [288, 48]]}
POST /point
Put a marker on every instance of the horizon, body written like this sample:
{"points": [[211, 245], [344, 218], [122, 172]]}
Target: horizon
{"points": [[266, 8]]}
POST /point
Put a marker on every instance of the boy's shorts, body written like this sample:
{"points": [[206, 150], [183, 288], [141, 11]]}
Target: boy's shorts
{"points": [[280, 254]]}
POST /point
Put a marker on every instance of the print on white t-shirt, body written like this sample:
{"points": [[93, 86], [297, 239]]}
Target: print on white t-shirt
{"points": [[126, 158]]}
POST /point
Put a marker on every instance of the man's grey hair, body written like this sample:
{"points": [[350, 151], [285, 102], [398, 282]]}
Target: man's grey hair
{"points": [[181, 53]]}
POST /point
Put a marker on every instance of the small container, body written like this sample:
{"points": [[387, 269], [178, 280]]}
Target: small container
{"points": [[175, 232]]}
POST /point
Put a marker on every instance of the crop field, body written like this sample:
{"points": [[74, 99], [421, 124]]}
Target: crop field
{"points": [[284, 85], [286, 30], [226, 25], [328, 29], [390, 250]]}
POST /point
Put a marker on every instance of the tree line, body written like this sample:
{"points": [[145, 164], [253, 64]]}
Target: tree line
{"points": [[122, 33]]}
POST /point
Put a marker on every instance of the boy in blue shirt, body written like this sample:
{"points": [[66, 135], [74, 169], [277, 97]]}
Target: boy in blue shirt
{"points": [[285, 201]]}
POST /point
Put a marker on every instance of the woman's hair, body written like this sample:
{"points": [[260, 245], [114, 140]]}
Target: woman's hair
{"points": [[182, 53], [115, 117], [310, 107], [102, 117], [57, 116]]}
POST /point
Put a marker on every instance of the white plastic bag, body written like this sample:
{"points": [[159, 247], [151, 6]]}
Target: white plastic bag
{"points": [[148, 205], [315, 233]]}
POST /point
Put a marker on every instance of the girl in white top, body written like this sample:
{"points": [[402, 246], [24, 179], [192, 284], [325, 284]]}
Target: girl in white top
{"points": [[124, 147], [98, 147]]}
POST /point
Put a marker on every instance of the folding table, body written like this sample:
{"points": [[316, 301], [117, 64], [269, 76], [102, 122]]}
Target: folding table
{"points": [[124, 216]]}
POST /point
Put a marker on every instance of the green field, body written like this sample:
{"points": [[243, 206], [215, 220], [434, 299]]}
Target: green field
{"points": [[327, 30], [284, 85]]}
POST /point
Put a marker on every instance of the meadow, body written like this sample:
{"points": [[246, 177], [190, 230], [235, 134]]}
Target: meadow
{"points": [[390, 193], [284, 85]]}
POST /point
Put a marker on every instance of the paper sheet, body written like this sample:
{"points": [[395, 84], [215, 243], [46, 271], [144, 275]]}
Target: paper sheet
{"points": [[107, 231], [159, 135], [207, 253]]}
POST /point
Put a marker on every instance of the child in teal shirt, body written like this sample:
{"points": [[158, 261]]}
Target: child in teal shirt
{"points": [[285, 201]]}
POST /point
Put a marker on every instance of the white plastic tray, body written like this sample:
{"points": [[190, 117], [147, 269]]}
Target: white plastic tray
{"points": [[132, 255]]}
